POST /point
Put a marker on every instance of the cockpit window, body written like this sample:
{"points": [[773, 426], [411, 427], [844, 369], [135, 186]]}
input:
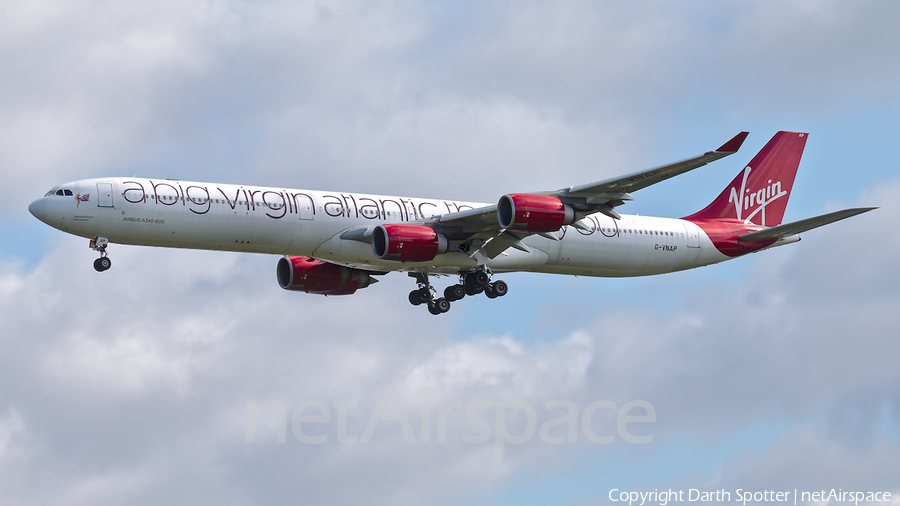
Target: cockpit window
{"points": [[59, 192], [51, 192], [68, 193]]}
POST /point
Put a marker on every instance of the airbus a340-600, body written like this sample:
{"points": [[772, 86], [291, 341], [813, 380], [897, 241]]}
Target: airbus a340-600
{"points": [[335, 243]]}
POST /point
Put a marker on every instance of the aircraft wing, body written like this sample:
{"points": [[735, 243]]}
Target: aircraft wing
{"points": [[643, 179], [797, 227], [480, 228], [600, 196], [466, 223]]}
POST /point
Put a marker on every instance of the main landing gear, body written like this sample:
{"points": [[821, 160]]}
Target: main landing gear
{"points": [[471, 283], [103, 263], [425, 295]]}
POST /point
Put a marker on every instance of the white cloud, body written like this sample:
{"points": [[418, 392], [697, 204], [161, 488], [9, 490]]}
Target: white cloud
{"points": [[193, 336]]}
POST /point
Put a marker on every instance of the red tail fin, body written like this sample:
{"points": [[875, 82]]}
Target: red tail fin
{"points": [[759, 194]]}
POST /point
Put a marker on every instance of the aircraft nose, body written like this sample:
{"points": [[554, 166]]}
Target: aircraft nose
{"points": [[38, 209]]}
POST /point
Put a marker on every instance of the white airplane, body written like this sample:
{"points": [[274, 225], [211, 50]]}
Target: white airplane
{"points": [[335, 243]]}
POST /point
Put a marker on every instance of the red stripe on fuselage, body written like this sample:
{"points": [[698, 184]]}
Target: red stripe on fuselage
{"points": [[724, 236]]}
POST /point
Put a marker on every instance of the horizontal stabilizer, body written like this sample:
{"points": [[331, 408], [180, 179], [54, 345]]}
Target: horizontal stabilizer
{"points": [[797, 227]]}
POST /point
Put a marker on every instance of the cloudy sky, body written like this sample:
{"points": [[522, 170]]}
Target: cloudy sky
{"points": [[143, 385]]}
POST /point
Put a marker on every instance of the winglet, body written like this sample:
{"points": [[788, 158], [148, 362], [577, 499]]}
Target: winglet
{"points": [[734, 144]]}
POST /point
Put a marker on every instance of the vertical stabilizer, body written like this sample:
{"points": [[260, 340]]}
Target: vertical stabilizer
{"points": [[759, 194]]}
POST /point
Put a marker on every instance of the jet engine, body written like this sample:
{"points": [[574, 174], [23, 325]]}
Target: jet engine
{"points": [[310, 275], [407, 243], [533, 213]]}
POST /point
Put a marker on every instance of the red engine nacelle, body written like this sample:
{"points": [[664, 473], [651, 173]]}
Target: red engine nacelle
{"points": [[533, 213], [407, 243], [304, 274]]}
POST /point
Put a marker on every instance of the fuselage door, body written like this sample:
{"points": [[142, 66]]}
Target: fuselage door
{"points": [[693, 237], [104, 195], [305, 208], [411, 214]]}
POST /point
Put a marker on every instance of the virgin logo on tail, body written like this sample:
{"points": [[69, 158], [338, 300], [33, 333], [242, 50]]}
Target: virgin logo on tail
{"points": [[770, 176], [745, 200]]}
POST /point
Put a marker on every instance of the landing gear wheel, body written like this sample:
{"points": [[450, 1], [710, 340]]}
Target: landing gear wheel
{"points": [[442, 304], [101, 264], [433, 307], [454, 292], [424, 295], [482, 278], [473, 289], [489, 291], [472, 284], [499, 288]]}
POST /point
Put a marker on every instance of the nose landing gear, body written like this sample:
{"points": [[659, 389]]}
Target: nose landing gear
{"points": [[103, 263]]}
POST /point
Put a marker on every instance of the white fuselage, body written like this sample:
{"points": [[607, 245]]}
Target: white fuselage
{"points": [[183, 214]]}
